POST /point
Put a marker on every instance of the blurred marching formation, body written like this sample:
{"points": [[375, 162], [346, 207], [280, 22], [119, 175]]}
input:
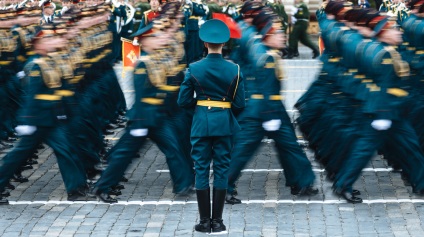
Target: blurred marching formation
{"points": [[58, 87], [368, 96]]}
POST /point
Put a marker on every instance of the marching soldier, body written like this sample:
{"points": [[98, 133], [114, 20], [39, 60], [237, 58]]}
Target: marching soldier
{"points": [[147, 119], [42, 119], [265, 114], [299, 33]]}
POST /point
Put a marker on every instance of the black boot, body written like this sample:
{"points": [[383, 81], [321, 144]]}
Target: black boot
{"points": [[204, 204], [217, 209], [289, 55], [3, 201], [315, 54]]}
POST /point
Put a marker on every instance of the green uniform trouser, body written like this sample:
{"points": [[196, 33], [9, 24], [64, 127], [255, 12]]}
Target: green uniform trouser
{"points": [[70, 166], [297, 168], [4, 101], [410, 156], [299, 34], [206, 149], [127, 148]]}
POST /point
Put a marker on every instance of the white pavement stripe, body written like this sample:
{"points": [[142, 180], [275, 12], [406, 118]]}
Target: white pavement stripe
{"points": [[142, 203], [281, 170], [301, 60]]}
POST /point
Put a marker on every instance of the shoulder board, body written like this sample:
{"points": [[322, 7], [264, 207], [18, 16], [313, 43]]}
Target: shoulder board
{"points": [[140, 71]]}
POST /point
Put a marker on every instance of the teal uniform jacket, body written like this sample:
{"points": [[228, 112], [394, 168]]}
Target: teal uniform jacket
{"points": [[214, 79], [263, 98], [264, 103], [41, 104], [41, 107], [148, 110], [239, 55]]}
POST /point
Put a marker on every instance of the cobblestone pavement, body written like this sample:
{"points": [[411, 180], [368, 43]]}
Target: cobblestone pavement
{"points": [[149, 208]]}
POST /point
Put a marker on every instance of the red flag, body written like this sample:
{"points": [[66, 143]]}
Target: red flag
{"points": [[321, 45], [130, 53], [235, 31]]}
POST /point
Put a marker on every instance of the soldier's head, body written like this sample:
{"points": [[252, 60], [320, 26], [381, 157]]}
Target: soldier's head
{"points": [[154, 5], [151, 37], [214, 33], [249, 10], [417, 7], [46, 40], [66, 3], [390, 34], [48, 7]]}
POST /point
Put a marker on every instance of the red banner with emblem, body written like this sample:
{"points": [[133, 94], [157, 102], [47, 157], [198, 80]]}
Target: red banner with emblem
{"points": [[130, 53]]}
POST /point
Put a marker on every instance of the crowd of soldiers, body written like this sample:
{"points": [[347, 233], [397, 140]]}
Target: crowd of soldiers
{"points": [[58, 87], [368, 95]]}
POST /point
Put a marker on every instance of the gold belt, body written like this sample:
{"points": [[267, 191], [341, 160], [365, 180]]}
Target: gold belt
{"points": [[215, 104], [334, 60], [195, 17], [168, 88], [4, 63], [64, 93], [397, 92], [261, 97], [47, 97], [152, 101]]}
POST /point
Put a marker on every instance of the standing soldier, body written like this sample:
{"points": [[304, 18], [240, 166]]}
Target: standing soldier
{"points": [[193, 14], [148, 17], [48, 12], [141, 6], [299, 31], [116, 21], [219, 89]]}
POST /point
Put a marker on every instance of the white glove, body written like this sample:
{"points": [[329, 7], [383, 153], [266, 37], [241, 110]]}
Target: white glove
{"points": [[272, 125], [23, 130], [64, 9], [381, 124], [20, 74], [61, 117], [188, 2], [139, 132], [135, 41]]}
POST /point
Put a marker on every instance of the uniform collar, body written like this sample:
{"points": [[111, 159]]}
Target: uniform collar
{"points": [[214, 55]]}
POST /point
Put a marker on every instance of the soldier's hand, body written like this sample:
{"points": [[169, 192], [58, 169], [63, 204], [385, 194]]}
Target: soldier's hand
{"points": [[24, 130], [381, 124], [20, 74], [272, 125], [142, 132]]}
